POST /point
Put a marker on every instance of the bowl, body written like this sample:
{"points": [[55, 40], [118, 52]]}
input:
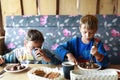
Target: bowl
{"points": [[89, 66], [93, 75]]}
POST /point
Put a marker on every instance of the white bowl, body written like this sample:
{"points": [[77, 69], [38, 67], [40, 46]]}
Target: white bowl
{"points": [[84, 68], [93, 75]]}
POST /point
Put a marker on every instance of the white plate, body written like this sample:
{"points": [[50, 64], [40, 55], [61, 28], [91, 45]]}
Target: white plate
{"points": [[6, 68]]}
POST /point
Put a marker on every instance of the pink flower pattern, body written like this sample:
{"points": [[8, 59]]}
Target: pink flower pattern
{"points": [[107, 48], [10, 46], [66, 32], [104, 16], [43, 20], [21, 32], [115, 33], [54, 46]]}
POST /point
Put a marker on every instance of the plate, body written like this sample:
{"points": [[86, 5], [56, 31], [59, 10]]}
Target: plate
{"points": [[14, 71]]}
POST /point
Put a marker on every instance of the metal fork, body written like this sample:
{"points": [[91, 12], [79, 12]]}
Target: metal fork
{"points": [[91, 62], [91, 58]]}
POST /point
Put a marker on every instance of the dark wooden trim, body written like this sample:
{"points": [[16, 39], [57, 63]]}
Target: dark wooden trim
{"points": [[98, 7], [115, 6], [37, 6], [57, 7], [1, 18], [22, 10]]}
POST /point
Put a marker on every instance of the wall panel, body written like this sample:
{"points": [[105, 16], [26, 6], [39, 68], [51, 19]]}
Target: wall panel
{"points": [[68, 7], [106, 6], [47, 7], [10, 7], [29, 7], [88, 6], [118, 6]]}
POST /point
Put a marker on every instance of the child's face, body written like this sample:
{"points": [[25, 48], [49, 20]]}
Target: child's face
{"points": [[86, 33], [30, 45]]}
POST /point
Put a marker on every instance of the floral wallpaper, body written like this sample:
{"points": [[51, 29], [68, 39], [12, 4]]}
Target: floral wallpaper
{"points": [[58, 29]]}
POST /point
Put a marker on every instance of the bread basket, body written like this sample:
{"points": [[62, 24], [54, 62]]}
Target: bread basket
{"points": [[32, 76]]}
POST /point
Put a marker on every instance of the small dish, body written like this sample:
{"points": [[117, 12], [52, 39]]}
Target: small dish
{"points": [[14, 71]]}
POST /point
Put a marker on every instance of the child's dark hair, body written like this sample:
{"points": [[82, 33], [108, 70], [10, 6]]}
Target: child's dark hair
{"points": [[34, 35]]}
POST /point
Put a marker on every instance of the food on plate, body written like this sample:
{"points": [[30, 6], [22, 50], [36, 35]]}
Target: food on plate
{"points": [[50, 75], [15, 67], [39, 73], [88, 65]]}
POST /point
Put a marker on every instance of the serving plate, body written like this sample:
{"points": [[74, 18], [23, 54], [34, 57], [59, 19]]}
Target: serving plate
{"points": [[14, 71]]}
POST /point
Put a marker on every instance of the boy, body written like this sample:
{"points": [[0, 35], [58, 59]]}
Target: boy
{"points": [[82, 49], [31, 51]]}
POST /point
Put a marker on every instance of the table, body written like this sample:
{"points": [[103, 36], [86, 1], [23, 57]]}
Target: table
{"points": [[23, 75]]}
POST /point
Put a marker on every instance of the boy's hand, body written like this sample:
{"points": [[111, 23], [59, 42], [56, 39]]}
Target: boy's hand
{"points": [[71, 58], [39, 53], [1, 60], [94, 50]]}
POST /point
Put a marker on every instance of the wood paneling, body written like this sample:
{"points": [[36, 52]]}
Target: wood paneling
{"points": [[118, 7], [88, 6], [10, 7], [106, 6], [29, 7], [68, 7], [47, 7]]}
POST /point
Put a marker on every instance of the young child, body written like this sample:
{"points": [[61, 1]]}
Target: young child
{"points": [[82, 49], [31, 51]]}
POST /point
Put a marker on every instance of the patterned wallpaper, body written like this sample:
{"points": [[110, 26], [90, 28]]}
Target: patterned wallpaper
{"points": [[60, 28]]}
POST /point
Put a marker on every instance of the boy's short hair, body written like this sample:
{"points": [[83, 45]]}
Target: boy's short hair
{"points": [[34, 35], [90, 21]]}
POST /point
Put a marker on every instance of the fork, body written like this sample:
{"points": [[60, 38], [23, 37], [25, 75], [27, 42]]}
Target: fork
{"points": [[91, 61], [91, 57]]}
